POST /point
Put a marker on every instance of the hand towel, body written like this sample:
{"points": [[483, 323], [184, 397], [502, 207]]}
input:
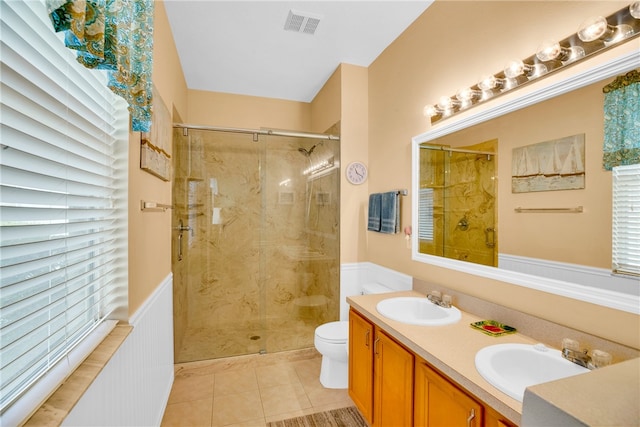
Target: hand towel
{"points": [[390, 213], [375, 207]]}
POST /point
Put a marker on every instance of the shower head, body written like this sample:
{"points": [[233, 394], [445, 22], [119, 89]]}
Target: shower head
{"points": [[307, 153]]}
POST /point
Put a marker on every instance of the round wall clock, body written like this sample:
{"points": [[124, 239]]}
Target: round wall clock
{"points": [[356, 173]]}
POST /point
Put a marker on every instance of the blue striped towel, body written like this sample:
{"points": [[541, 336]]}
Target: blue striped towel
{"points": [[375, 209], [390, 215]]}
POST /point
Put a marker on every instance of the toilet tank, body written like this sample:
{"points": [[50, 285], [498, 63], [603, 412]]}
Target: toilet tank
{"points": [[375, 288]]}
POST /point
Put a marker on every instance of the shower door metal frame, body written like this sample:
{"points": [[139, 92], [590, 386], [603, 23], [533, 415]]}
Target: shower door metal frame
{"points": [[257, 132]]}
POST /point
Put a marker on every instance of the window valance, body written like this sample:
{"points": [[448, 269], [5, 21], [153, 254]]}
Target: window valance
{"points": [[117, 36]]}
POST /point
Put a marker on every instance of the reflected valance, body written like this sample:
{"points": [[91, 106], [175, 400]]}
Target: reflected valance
{"points": [[622, 121]]}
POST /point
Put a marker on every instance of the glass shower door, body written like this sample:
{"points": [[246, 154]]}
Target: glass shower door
{"points": [[255, 257], [217, 196]]}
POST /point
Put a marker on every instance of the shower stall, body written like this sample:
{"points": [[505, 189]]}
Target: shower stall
{"points": [[457, 202], [255, 240]]}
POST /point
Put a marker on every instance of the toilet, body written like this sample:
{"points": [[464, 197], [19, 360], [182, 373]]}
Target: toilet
{"points": [[331, 340]]}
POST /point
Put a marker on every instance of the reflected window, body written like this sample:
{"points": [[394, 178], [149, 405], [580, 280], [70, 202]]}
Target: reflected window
{"points": [[425, 218]]}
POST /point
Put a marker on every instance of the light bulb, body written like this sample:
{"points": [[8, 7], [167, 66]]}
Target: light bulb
{"points": [[551, 49], [514, 69], [548, 50], [634, 9], [466, 96], [430, 111], [488, 83], [445, 102], [593, 28]]}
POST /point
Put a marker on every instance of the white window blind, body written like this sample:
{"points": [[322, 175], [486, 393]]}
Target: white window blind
{"points": [[626, 219], [63, 177], [425, 219]]}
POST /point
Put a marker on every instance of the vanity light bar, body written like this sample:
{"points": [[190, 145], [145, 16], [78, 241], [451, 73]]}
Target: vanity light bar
{"points": [[594, 36]]}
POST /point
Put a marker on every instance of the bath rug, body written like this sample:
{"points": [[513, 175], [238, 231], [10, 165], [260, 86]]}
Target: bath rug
{"points": [[343, 417]]}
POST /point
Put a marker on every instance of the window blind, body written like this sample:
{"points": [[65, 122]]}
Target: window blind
{"points": [[425, 218], [63, 177], [626, 220]]}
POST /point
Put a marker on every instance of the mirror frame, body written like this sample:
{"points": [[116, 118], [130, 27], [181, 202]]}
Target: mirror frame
{"points": [[582, 74]]}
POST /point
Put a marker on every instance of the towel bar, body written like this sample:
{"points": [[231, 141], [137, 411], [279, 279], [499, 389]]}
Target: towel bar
{"points": [[578, 209], [153, 206]]}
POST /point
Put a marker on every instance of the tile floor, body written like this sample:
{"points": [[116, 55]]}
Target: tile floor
{"points": [[250, 390]]}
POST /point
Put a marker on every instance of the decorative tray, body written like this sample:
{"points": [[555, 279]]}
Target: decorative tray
{"points": [[493, 328]]}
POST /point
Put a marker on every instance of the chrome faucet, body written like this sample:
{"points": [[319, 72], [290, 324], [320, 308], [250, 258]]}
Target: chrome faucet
{"points": [[438, 299], [571, 351], [578, 357]]}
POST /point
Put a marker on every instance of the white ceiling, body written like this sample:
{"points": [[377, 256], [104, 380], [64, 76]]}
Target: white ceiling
{"points": [[241, 47]]}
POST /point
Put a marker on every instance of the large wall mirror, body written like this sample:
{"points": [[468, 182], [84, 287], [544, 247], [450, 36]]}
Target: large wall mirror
{"points": [[551, 239]]}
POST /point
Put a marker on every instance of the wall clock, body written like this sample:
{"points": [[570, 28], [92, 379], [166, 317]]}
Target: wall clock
{"points": [[356, 173]]}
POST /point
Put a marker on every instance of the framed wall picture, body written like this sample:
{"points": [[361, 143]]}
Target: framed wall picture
{"points": [[155, 144], [548, 166]]}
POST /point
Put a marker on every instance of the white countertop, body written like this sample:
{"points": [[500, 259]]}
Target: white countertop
{"points": [[452, 349]]}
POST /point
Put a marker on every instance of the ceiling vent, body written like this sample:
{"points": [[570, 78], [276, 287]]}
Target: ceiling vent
{"points": [[302, 22]]}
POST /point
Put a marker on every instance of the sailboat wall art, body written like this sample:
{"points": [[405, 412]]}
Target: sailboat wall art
{"points": [[549, 166]]}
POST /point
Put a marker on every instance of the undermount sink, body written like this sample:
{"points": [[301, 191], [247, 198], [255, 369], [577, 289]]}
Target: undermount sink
{"points": [[511, 368], [417, 311]]}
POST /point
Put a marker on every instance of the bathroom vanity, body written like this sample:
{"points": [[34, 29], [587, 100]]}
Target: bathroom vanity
{"points": [[402, 374]]}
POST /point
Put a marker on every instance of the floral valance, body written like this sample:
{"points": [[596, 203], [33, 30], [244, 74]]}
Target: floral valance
{"points": [[622, 121], [113, 35]]}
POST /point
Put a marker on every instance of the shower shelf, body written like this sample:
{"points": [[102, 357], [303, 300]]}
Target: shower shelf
{"points": [[302, 253]]}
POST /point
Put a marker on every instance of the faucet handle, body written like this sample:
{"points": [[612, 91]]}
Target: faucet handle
{"points": [[569, 344], [446, 300], [600, 358]]}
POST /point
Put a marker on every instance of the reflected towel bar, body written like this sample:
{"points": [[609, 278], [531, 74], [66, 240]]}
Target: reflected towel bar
{"points": [[153, 206], [403, 192], [578, 209]]}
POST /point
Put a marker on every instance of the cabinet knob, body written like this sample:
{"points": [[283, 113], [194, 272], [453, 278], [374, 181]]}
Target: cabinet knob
{"points": [[375, 345], [366, 337]]}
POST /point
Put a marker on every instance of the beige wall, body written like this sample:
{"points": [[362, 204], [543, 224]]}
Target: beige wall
{"points": [[251, 112], [448, 47], [325, 107], [150, 232]]}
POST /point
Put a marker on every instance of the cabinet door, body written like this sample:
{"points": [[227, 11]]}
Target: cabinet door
{"points": [[361, 364], [495, 419], [393, 383], [438, 403]]}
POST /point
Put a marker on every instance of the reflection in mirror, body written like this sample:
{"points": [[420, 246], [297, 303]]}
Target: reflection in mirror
{"points": [[457, 202], [549, 248]]}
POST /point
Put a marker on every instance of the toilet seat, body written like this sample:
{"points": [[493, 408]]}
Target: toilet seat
{"points": [[333, 332]]}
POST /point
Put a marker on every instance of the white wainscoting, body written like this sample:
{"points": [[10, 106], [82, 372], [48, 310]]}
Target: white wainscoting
{"points": [[354, 275], [599, 278], [133, 388]]}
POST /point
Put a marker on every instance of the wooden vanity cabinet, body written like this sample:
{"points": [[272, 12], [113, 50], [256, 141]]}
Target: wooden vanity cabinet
{"points": [[439, 403], [361, 364], [391, 386], [380, 375]]}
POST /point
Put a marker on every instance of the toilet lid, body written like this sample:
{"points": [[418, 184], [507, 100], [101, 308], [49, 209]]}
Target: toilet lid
{"points": [[334, 331]]}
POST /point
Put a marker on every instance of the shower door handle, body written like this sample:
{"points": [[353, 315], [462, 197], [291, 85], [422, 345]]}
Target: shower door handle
{"points": [[180, 246], [181, 227], [490, 237]]}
